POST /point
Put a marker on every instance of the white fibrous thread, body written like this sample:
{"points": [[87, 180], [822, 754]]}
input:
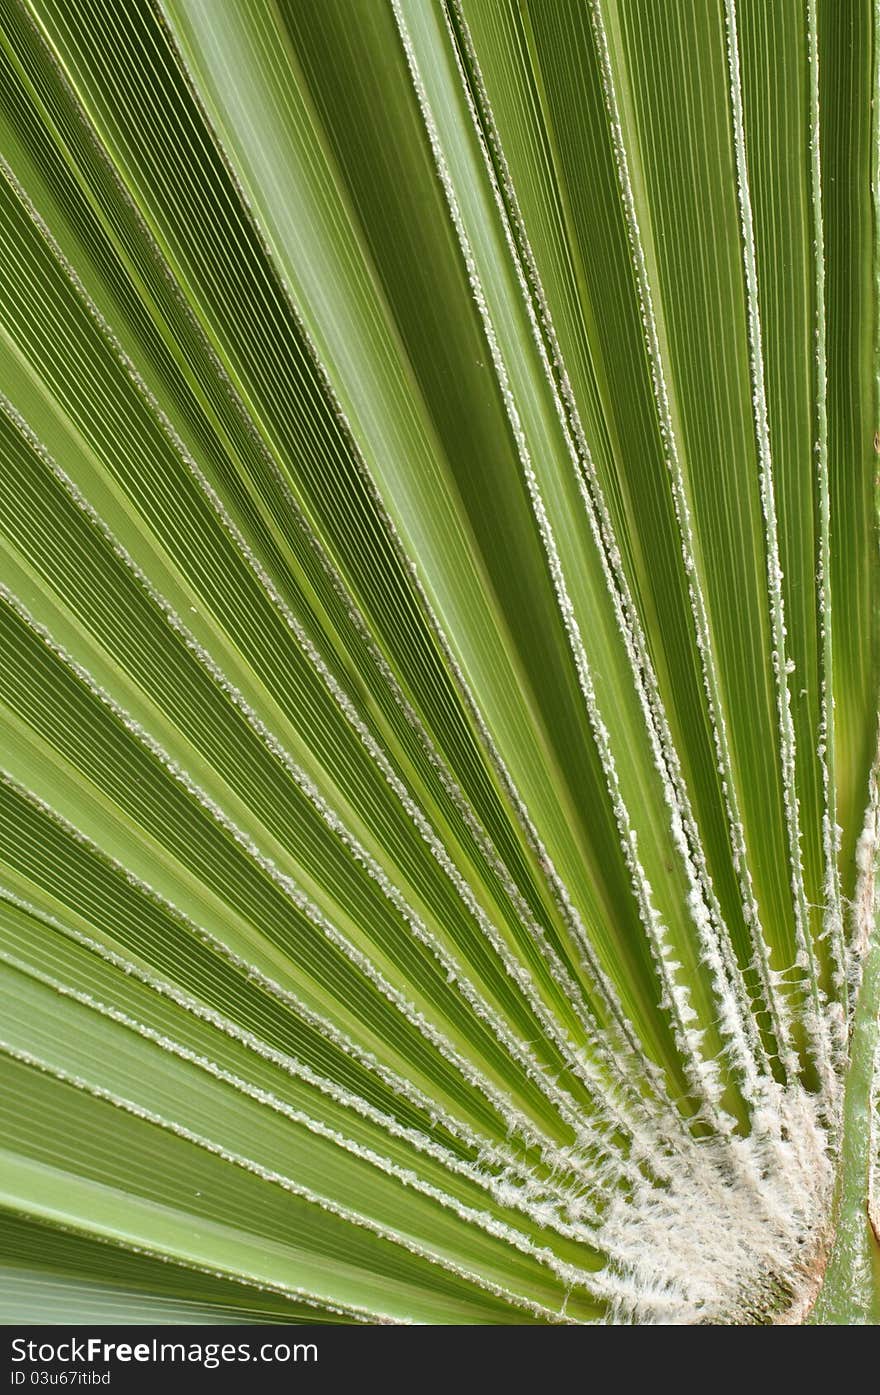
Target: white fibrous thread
{"points": [[715, 1246], [833, 914]]}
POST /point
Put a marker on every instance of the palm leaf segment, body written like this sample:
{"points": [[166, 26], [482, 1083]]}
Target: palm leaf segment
{"points": [[439, 662]]}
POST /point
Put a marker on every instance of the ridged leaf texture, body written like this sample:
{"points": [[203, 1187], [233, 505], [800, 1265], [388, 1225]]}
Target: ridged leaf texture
{"points": [[439, 659]]}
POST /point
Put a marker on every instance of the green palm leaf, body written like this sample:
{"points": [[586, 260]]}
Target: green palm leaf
{"points": [[440, 660]]}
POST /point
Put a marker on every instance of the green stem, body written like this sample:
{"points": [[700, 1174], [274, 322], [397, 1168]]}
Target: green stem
{"points": [[850, 1293]]}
